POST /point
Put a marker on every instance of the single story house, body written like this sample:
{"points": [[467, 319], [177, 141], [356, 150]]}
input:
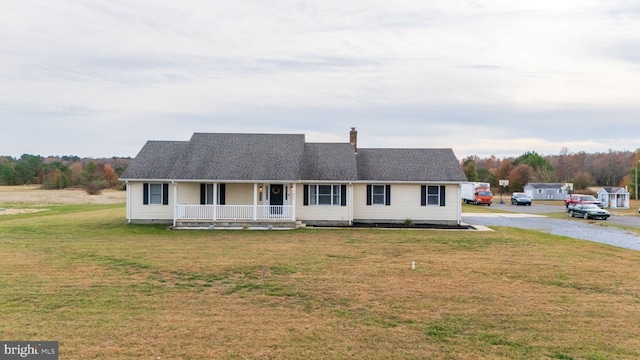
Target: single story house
{"points": [[614, 197], [215, 179], [545, 191]]}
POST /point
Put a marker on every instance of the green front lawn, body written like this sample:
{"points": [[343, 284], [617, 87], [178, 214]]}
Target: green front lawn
{"points": [[107, 290]]}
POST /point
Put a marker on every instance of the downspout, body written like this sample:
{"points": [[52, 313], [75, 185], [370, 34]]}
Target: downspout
{"points": [[175, 202], [459, 202], [350, 204], [293, 201], [128, 187]]}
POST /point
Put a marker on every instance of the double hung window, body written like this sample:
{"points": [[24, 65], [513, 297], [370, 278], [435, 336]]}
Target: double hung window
{"points": [[324, 195], [155, 194], [433, 195], [379, 195]]}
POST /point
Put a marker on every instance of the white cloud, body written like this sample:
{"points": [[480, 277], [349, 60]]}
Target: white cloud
{"points": [[407, 73]]}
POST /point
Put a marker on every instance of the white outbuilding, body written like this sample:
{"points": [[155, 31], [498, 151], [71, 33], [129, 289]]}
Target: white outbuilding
{"points": [[614, 197]]}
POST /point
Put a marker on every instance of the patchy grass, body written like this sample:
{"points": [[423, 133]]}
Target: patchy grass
{"points": [[107, 290], [633, 211]]}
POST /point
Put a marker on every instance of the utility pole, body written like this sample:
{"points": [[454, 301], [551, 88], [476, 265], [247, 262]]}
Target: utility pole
{"points": [[637, 161]]}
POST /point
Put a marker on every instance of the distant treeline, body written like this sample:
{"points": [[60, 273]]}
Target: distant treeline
{"points": [[613, 168], [59, 172]]}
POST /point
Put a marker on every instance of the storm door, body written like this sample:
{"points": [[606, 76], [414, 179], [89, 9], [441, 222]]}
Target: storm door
{"points": [[276, 199]]}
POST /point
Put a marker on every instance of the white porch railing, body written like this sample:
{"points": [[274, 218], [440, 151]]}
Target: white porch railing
{"points": [[233, 212]]}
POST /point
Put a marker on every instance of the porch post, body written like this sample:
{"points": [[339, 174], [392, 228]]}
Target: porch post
{"points": [[215, 201], [293, 201], [255, 201], [175, 202]]}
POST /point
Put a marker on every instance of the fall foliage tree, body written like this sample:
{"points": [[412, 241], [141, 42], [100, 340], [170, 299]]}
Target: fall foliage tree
{"points": [[55, 172], [110, 175], [76, 172], [612, 168], [520, 176]]}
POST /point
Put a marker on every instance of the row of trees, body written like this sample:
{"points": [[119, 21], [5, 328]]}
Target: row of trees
{"points": [[59, 172], [613, 168]]}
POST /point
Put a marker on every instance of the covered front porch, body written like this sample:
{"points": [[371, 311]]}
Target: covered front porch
{"points": [[234, 203]]}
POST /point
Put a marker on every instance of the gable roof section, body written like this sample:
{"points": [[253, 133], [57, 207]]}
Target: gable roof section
{"points": [[155, 160], [241, 157], [614, 190], [329, 161], [409, 165]]}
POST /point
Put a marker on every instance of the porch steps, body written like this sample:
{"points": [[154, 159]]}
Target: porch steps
{"points": [[238, 225]]}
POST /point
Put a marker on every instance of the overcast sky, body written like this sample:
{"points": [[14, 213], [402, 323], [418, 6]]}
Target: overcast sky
{"points": [[99, 78]]}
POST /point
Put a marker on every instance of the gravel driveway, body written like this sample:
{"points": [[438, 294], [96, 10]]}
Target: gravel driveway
{"points": [[633, 220], [575, 229]]}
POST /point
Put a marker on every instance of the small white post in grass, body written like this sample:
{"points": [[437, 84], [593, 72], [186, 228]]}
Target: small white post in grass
{"points": [[413, 265]]}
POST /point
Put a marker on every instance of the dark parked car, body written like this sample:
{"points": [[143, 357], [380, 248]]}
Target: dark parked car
{"points": [[588, 211], [520, 199]]}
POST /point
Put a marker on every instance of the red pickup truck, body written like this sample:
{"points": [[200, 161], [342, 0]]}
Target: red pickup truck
{"points": [[573, 199]]}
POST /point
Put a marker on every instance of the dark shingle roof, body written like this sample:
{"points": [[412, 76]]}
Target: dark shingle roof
{"points": [[254, 157], [155, 160], [241, 157], [408, 165], [329, 161]]}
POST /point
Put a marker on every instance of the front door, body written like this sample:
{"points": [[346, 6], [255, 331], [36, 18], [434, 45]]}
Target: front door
{"points": [[277, 198]]}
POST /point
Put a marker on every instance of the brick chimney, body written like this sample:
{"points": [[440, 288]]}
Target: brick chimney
{"points": [[353, 138]]}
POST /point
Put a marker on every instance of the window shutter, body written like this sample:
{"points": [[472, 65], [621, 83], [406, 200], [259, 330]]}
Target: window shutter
{"points": [[165, 194], [203, 194], [368, 194], [305, 194], [343, 195], [423, 195], [145, 193], [221, 194], [388, 195], [442, 195]]}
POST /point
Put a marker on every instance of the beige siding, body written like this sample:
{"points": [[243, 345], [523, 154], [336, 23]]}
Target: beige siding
{"points": [[189, 193], [405, 204], [140, 211], [239, 194]]}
